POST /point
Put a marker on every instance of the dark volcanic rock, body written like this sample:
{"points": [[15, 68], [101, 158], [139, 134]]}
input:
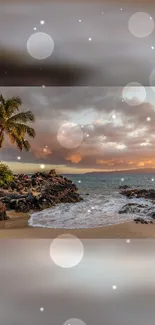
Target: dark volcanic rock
{"points": [[3, 215], [140, 220], [132, 208], [142, 210], [139, 193], [41, 191], [145, 210]]}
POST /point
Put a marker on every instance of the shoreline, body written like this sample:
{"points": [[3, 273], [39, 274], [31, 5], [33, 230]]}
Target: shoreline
{"points": [[17, 227]]}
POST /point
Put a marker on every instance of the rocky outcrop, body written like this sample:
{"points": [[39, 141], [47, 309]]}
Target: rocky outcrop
{"points": [[148, 211], [142, 209], [139, 193], [38, 192], [133, 208], [3, 215]]}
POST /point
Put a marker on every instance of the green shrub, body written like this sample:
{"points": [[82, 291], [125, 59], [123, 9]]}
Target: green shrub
{"points": [[6, 175]]}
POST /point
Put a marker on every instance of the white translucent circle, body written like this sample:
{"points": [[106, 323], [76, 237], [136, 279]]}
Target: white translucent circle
{"points": [[40, 45], [74, 321], [66, 251], [42, 166], [122, 179], [152, 179], [114, 287], [70, 135], [128, 241], [134, 94], [19, 158], [140, 24]]}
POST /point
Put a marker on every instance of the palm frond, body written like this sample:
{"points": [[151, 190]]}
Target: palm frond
{"points": [[12, 138], [2, 100], [26, 145], [26, 129], [12, 105], [2, 108], [2, 114], [23, 117], [20, 129], [16, 139]]}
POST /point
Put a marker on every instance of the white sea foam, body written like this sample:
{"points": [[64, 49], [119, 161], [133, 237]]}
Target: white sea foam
{"points": [[93, 211]]}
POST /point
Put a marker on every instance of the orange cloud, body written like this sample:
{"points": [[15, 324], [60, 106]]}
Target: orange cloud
{"points": [[105, 162], [74, 158], [148, 162], [141, 164]]}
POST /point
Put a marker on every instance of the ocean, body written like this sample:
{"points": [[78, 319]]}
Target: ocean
{"points": [[100, 207]]}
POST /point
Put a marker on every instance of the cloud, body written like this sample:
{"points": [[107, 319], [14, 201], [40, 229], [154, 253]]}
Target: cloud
{"points": [[121, 142], [42, 152], [74, 158], [141, 164]]}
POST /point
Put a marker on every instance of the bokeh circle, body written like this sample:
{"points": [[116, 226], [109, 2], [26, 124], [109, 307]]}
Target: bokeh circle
{"points": [[66, 251], [134, 94], [74, 321], [70, 135], [141, 24], [40, 45]]}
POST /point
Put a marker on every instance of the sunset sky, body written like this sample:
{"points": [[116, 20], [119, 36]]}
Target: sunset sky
{"points": [[82, 129]]}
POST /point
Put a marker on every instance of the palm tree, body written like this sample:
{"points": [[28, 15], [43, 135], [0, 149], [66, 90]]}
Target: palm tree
{"points": [[15, 125]]}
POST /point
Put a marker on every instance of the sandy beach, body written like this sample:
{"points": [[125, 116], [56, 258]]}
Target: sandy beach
{"points": [[17, 227]]}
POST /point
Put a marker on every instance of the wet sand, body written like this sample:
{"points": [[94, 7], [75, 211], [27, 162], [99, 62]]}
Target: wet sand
{"points": [[17, 227]]}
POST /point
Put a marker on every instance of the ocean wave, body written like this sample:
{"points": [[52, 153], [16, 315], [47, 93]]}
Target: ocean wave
{"points": [[93, 211]]}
